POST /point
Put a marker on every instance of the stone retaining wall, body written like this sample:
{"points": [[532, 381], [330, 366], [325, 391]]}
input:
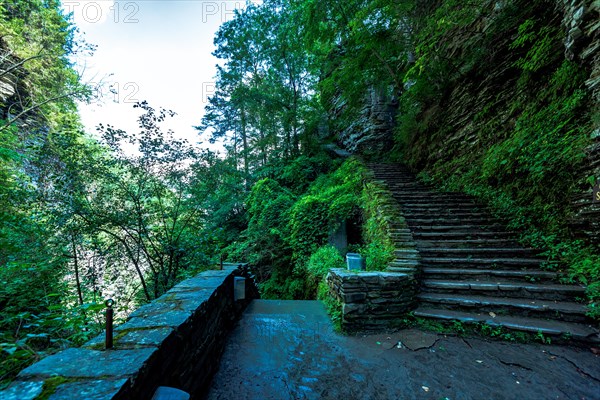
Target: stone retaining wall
{"points": [[372, 301], [176, 341], [406, 255]]}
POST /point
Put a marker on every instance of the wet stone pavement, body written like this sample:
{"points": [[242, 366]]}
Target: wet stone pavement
{"points": [[288, 350]]}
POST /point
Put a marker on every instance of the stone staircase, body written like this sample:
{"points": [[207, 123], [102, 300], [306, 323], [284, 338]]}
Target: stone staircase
{"points": [[471, 269]]}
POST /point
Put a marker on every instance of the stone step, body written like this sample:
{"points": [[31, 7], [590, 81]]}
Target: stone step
{"points": [[464, 228], [485, 252], [402, 270], [435, 202], [399, 230], [447, 220], [467, 243], [396, 174], [556, 330], [400, 180], [426, 192], [480, 262], [440, 206], [429, 236], [426, 196], [499, 288], [401, 238], [407, 253], [470, 265], [400, 226], [484, 274], [401, 263], [408, 186], [397, 181], [402, 242], [538, 308], [436, 209], [408, 214], [443, 204]]}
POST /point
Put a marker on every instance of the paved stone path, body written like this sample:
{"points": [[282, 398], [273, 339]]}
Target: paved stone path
{"points": [[288, 350]]}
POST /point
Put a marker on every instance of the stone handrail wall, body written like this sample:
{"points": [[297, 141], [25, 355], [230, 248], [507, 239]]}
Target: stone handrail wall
{"points": [[176, 340], [407, 258], [372, 301]]}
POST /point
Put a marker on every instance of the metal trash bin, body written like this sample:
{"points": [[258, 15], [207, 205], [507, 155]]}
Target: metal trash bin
{"points": [[355, 261]]}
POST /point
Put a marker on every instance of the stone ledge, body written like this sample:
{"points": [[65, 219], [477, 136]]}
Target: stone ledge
{"points": [[372, 301], [176, 340]]}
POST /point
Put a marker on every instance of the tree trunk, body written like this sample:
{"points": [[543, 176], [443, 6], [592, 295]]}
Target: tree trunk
{"points": [[76, 265], [245, 149]]}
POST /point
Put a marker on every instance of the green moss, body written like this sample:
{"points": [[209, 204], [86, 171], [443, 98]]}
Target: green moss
{"points": [[380, 212], [50, 386], [483, 329], [332, 304]]}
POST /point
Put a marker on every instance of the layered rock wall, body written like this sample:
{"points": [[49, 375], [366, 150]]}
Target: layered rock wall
{"points": [[581, 21]]}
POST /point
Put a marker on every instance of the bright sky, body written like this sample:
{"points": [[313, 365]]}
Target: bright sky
{"points": [[156, 50]]}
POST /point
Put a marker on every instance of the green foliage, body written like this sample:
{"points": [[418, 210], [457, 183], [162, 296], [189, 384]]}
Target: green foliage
{"points": [[289, 235], [544, 145], [356, 51], [27, 336], [333, 305], [379, 213], [297, 174], [268, 205], [330, 200], [542, 46], [262, 100], [41, 311], [440, 29], [378, 254], [319, 263], [37, 41]]}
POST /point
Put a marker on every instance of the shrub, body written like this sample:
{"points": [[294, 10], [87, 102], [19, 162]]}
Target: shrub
{"points": [[320, 262]]}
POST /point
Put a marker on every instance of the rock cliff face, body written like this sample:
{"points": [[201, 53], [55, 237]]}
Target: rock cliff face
{"points": [[581, 21], [8, 79], [370, 131], [13, 89]]}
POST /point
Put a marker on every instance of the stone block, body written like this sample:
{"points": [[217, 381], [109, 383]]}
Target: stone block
{"points": [[354, 297], [86, 363], [353, 308], [156, 320], [89, 390], [23, 390]]}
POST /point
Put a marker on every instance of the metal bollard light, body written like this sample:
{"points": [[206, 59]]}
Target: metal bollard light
{"points": [[109, 323]]}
